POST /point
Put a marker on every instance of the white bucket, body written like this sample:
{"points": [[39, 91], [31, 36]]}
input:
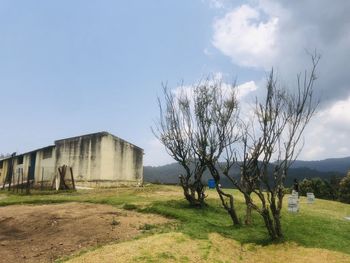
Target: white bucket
{"points": [[293, 204], [310, 198]]}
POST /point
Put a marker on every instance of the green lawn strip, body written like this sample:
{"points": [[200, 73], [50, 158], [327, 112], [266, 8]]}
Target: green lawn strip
{"points": [[112, 197]]}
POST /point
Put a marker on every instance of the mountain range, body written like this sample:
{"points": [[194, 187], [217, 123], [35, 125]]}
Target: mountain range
{"points": [[324, 169]]}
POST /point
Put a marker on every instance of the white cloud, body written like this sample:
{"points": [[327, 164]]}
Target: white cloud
{"points": [[277, 33], [242, 89], [243, 36], [266, 33], [328, 133], [246, 88]]}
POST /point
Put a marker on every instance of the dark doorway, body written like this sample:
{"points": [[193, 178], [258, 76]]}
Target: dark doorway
{"points": [[32, 166]]}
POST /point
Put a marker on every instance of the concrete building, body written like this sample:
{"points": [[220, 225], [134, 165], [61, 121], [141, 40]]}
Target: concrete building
{"points": [[98, 159]]}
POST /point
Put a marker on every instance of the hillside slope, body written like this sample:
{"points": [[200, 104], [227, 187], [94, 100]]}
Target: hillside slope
{"points": [[341, 165]]}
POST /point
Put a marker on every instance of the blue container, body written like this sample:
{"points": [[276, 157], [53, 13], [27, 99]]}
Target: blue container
{"points": [[211, 183]]}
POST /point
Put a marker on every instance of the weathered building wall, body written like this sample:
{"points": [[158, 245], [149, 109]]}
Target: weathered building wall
{"points": [[21, 164], [45, 165], [3, 170], [99, 159], [121, 161], [83, 154], [5, 166]]}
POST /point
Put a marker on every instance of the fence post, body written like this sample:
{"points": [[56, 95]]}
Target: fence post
{"points": [[10, 170], [71, 174], [22, 180], [28, 183], [18, 176]]}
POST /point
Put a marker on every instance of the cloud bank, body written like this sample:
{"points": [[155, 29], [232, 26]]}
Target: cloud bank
{"points": [[270, 33], [263, 34]]}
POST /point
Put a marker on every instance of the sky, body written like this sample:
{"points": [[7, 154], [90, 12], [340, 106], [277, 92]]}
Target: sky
{"points": [[75, 67]]}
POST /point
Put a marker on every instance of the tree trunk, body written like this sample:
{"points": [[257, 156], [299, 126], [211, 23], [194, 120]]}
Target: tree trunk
{"points": [[248, 216], [276, 216], [277, 224], [229, 207], [234, 217], [200, 188], [269, 224], [194, 193]]}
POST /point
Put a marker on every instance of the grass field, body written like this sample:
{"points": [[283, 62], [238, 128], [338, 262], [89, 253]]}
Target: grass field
{"points": [[318, 232]]}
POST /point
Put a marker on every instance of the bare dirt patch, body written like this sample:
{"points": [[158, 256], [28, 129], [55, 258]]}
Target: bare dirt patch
{"points": [[43, 233]]}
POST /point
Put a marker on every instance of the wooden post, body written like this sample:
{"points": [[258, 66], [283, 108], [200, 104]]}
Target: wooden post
{"points": [[18, 176], [10, 170], [28, 183], [22, 180], [4, 182], [71, 174], [63, 184], [3, 185]]}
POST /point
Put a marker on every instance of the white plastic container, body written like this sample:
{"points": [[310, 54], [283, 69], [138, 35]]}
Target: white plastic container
{"points": [[310, 198], [293, 204]]}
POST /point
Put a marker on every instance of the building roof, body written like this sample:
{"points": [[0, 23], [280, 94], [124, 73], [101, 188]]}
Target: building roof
{"points": [[99, 134], [39, 149]]}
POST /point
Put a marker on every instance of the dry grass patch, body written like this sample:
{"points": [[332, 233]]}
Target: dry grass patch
{"points": [[177, 247]]}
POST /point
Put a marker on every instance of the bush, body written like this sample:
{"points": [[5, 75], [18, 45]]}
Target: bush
{"points": [[344, 189], [305, 186], [321, 188]]}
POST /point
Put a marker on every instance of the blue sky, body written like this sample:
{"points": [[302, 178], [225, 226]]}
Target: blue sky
{"points": [[75, 67]]}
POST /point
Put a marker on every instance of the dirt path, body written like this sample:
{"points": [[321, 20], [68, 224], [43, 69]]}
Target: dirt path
{"points": [[43, 233]]}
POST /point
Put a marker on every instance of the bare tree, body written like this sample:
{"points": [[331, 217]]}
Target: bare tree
{"points": [[196, 128], [276, 133], [214, 121], [282, 119], [175, 132]]}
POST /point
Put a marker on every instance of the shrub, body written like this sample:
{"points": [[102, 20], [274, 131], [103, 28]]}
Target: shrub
{"points": [[344, 189], [321, 188]]}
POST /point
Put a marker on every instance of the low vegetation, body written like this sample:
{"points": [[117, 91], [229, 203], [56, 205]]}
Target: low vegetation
{"points": [[337, 188]]}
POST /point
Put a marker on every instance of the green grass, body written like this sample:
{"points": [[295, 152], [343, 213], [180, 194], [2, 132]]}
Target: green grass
{"points": [[307, 229], [321, 225], [113, 196]]}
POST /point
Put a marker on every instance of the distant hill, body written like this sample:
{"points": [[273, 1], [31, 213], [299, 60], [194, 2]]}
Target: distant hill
{"points": [[341, 165], [325, 169]]}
